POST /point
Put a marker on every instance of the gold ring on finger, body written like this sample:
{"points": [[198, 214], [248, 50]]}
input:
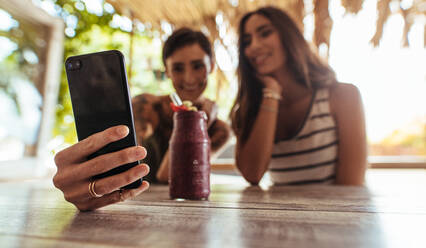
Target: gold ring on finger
{"points": [[92, 190]]}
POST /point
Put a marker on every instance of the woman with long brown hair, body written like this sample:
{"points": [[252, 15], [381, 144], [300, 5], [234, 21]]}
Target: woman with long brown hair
{"points": [[291, 116]]}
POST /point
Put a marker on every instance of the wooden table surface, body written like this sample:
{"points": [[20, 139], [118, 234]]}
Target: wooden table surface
{"points": [[389, 212]]}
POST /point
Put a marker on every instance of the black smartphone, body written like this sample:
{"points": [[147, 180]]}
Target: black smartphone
{"points": [[100, 99]]}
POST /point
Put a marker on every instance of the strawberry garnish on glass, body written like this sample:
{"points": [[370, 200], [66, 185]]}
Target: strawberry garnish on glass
{"points": [[177, 105]]}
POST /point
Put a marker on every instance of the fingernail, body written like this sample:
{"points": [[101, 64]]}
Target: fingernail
{"points": [[145, 185], [124, 130], [147, 169], [143, 170], [138, 151]]}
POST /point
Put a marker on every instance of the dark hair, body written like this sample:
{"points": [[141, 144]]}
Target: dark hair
{"points": [[183, 37], [306, 66]]}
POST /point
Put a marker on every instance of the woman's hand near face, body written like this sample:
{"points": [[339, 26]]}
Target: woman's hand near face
{"points": [[75, 172], [270, 83]]}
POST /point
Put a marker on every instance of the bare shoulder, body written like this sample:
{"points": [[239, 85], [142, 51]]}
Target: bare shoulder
{"points": [[344, 97], [343, 91]]}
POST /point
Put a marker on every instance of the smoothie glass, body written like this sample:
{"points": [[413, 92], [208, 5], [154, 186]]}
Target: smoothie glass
{"points": [[189, 156]]}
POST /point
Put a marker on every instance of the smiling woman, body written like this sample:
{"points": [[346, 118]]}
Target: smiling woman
{"points": [[310, 126], [187, 56], [188, 69]]}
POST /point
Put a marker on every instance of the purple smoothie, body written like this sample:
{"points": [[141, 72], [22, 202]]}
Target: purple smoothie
{"points": [[189, 156]]}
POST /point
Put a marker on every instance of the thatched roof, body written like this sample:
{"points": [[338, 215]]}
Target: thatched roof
{"points": [[409, 13], [201, 14]]}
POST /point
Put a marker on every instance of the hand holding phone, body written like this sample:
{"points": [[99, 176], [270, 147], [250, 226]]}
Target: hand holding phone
{"points": [[75, 172], [100, 99]]}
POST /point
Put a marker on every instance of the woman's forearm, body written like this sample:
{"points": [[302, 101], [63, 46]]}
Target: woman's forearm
{"points": [[252, 157]]}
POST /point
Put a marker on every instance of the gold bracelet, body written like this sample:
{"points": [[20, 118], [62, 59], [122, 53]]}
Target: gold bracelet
{"points": [[272, 95], [268, 93], [269, 109], [266, 90]]}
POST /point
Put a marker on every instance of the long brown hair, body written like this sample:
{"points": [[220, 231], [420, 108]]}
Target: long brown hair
{"points": [[307, 67]]}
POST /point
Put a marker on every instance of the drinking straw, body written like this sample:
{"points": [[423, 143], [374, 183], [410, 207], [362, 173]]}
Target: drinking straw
{"points": [[175, 99]]}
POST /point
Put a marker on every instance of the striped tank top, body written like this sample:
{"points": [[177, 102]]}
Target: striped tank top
{"points": [[311, 155]]}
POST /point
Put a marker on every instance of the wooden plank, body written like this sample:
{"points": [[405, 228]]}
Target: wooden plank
{"points": [[29, 241], [383, 197], [168, 226], [33, 213], [25, 9], [227, 165]]}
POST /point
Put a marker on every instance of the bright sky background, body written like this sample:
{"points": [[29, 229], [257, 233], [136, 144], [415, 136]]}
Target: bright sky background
{"points": [[392, 79]]}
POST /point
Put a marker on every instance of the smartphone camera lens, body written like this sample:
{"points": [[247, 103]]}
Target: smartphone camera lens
{"points": [[70, 66], [77, 64], [73, 65]]}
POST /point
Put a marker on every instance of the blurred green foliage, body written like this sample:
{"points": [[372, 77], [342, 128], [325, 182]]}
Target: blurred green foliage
{"points": [[95, 33], [411, 140], [21, 58], [92, 33]]}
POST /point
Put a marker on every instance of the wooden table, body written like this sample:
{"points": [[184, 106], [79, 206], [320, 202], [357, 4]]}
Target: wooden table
{"points": [[390, 212]]}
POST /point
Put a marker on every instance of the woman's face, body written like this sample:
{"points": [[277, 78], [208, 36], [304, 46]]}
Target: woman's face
{"points": [[188, 68], [262, 45]]}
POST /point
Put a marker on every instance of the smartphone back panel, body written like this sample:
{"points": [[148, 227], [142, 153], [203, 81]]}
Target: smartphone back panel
{"points": [[100, 99]]}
